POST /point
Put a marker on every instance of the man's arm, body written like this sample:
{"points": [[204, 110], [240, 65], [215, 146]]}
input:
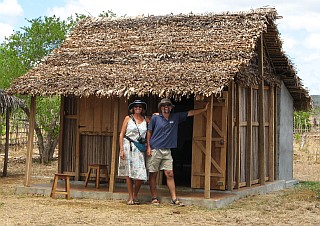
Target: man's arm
{"points": [[198, 111], [149, 134]]}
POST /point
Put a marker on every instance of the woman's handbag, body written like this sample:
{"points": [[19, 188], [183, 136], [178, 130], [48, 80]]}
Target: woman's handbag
{"points": [[140, 146]]}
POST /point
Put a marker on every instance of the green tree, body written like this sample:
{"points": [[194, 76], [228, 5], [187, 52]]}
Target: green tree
{"points": [[22, 51]]}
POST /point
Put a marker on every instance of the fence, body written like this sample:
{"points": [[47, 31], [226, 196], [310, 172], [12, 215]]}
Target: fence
{"points": [[18, 132], [307, 135]]}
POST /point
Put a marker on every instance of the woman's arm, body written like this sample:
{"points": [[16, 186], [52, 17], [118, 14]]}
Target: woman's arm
{"points": [[121, 137]]}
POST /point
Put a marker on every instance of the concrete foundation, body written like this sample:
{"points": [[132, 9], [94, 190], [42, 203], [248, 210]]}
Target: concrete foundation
{"points": [[188, 196]]}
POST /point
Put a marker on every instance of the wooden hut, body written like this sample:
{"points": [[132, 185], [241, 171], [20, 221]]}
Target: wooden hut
{"points": [[234, 61]]}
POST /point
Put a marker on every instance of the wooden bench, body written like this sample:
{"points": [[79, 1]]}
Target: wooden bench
{"points": [[66, 191], [98, 168]]}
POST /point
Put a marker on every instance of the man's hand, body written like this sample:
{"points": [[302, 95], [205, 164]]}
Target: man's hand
{"points": [[149, 152]]}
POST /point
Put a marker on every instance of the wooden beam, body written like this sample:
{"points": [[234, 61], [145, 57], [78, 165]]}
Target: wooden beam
{"points": [[230, 136], [114, 145], [207, 170], [262, 173], [249, 139], [32, 121]]}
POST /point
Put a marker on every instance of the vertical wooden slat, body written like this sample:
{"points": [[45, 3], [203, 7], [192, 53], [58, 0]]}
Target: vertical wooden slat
{"points": [[249, 140], [30, 140], [197, 164], [237, 135], [276, 173], [77, 159], [208, 150], [262, 173], [114, 145], [61, 129], [230, 135], [271, 135]]}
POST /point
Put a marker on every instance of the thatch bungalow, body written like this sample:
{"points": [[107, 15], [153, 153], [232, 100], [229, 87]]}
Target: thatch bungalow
{"points": [[234, 61]]}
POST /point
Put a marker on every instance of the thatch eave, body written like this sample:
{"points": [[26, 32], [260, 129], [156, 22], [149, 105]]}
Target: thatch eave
{"points": [[172, 56]]}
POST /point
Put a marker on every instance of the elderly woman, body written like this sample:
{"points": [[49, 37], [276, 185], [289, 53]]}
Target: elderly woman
{"points": [[131, 158]]}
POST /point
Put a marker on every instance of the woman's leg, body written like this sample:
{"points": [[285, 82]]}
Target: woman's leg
{"points": [[130, 188]]}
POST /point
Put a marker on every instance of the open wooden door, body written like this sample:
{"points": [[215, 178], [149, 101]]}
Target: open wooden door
{"points": [[219, 143]]}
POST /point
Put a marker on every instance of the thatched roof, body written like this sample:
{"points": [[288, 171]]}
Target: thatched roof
{"points": [[8, 101], [172, 56]]}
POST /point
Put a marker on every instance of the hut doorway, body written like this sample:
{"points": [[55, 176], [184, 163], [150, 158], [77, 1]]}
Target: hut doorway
{"points": [[182, 155]]}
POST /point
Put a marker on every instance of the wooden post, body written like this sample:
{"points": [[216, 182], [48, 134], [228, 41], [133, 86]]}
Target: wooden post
{"points": [[237, 146], [207, 170], [6, 146], [61, 133], [114, 145], [271, 135], [30, 141], [249, 139], [262, 173], [230, 135]]}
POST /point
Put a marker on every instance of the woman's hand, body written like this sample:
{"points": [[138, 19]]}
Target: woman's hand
{"points": [[122, 156]]}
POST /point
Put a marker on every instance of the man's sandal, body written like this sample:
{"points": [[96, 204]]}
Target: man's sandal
{"points": [[136, 202], [176, 202], [155, 201]]}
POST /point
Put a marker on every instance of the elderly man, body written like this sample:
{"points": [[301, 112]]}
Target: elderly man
{"points": [[161, 137]]}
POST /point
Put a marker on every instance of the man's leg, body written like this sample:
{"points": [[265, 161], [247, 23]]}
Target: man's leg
{"points": [[170, 183], [137, 185], [152, 184]]}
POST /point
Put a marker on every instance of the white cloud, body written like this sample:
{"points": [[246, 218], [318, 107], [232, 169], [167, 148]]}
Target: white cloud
{"points": [[312, 41], [10, 8], [6, 30], [309, 21]]}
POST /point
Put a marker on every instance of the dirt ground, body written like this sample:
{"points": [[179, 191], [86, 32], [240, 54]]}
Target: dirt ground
{"points": [[299, 205]]}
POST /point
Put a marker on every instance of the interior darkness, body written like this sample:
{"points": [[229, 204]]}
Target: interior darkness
{"points": [[182, 155]]}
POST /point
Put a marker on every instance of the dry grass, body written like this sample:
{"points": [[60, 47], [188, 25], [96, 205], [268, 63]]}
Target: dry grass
{"points": [[295, 206]]}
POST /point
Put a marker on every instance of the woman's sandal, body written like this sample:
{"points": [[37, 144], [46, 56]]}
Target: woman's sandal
{"points": [[130, 202], [155, 201], [176, 202]]}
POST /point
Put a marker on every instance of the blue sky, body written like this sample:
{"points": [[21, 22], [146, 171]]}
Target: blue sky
{"points": [[299, 28]]}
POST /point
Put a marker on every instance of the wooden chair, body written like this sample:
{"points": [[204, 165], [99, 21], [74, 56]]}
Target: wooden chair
{"points": [[98, 168], [66, 191]]}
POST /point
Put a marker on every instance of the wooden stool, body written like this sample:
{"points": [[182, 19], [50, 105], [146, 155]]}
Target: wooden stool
{"points": [[98, 168], [66, 192]]}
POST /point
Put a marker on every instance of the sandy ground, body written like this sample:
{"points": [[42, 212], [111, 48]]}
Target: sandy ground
{"points": [[299, 205]]}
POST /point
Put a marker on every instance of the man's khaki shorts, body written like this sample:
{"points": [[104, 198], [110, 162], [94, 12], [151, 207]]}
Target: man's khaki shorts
{"points": [[161, 159]]}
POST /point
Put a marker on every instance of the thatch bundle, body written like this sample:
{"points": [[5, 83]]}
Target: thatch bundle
{"points": [[8, 101], [172, 56]]}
